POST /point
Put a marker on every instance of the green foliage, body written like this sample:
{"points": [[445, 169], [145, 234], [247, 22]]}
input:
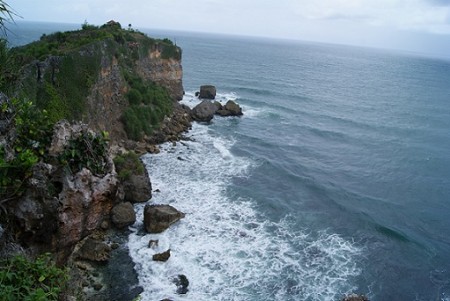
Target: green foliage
{"points": [[39, 280], [88, 150], [33, 137], [149, 103], [128, 164]]}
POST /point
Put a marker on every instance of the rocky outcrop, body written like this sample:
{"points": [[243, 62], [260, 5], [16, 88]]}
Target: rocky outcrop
{"points": [[123, 215], [207, 92], [204, 111], [59, 208], [158, 218], [229, 109], [174, 126]]}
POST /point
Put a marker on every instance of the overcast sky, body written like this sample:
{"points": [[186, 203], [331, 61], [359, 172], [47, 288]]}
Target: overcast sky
{"points": [[416, 25]]}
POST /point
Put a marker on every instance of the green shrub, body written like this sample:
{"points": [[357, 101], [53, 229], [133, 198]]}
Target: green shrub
{"points": [[33, 137], [88, 150], [128, 164], [134, 97], [38, 280]]}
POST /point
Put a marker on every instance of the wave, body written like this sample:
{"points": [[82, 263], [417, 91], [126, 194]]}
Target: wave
{"points": [[225, 247]]}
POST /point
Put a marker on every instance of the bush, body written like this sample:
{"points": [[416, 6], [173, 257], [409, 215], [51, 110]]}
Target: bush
{"points": [[39, 280], [88, 150], [33, 137], [128, 164]]}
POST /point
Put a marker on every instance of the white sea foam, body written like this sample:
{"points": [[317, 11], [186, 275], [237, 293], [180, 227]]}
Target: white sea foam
{"points": [[227, 250]]}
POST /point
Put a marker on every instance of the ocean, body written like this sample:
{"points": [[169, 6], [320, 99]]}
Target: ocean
{"points": [[335, 180]]}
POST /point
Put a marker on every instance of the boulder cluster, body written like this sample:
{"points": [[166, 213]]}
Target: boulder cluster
{"points": [[205, 111]]}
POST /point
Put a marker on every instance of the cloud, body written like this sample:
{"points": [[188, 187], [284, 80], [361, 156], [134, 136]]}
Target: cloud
{"points": [[419, 15]]}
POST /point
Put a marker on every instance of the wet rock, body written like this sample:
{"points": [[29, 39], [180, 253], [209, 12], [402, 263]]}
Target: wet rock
{"points": [[123, 215], [355, 297], [138, 188], [230, 109], [207, 92], [94, 250], [164, 256], [158, 218], [153, 243], [182, 284], [204, 111]]}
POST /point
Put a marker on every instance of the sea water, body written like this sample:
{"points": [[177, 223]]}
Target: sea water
{"points": [[335, 180]]}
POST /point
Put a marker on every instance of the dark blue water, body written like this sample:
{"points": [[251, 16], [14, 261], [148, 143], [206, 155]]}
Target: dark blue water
{"points": [[336, 179]]}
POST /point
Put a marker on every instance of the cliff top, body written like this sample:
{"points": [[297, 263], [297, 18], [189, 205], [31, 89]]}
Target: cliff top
{"points": [[61, 43]]}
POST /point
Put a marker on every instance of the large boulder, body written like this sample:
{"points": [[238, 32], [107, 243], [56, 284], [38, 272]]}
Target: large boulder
{"points": [[204, 111], [207, 92], [230, 109], [137, 188], [158, 218], [123, 215]]}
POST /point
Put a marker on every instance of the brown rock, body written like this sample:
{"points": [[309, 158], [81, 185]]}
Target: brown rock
{"points": [[158, 218], [204, 111], [164, 256], [207, 92], [233, 108], [123, 215], [153, 243], [94, 250]]}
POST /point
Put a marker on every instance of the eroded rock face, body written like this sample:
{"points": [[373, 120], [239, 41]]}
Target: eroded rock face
{"points": [[123, 215], [58, 209], [158, 218], [207, 92], [204, 111]]}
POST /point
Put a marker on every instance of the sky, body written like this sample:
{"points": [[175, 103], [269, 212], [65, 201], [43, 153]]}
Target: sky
{"points": [[421, 26]]}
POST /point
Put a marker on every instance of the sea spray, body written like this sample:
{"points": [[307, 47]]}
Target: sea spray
{"points": [[226, 248]]}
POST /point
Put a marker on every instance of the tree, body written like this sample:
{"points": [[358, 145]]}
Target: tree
{"points": [[6, 15]]}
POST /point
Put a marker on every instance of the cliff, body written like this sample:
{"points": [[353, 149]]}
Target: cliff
{"points": [[114, 80], [59, 185]]}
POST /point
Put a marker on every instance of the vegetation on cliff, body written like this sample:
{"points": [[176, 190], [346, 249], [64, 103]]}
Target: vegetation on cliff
{"points": [[22, 279], [58, 72]]}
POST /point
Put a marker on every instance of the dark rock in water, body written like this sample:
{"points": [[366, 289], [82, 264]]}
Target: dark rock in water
{"points": [[197, 94], [230, 109], [233, 108], [355, 297], [182, 284], [218, 105], [94, 250], [158, 218], [164, 256], [207, 92], [204, 111], [123, 215], [153, 243]]}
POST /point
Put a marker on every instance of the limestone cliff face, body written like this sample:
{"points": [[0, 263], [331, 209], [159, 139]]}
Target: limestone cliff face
{"points": [[166, 72], [90, 83], [106, 100]]}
